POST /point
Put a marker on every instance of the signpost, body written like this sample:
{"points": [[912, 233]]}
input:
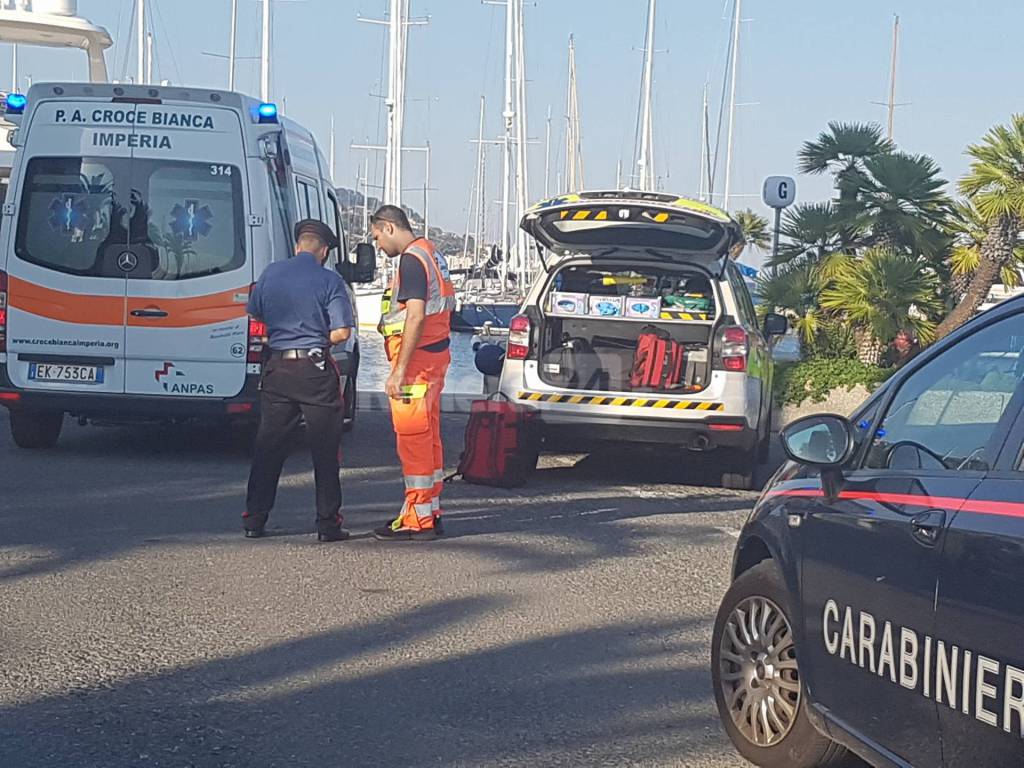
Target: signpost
{"points": [[778, 192]]}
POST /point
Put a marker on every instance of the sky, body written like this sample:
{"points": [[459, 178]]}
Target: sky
{"points": [[802, 63]]}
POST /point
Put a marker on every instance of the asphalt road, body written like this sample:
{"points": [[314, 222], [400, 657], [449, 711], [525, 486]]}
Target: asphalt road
{"points": [[566, 623]]}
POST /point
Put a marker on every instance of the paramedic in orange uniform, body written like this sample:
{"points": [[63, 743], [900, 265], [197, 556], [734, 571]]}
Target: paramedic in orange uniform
{"points": [[416, 325]]}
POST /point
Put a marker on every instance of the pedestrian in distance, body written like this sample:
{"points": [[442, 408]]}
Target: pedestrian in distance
{"points": [[306, 309], [416, 326]]}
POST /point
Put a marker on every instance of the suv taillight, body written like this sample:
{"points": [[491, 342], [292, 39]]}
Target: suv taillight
{"points": [[257, 340], [3, 311], [518, 338], [732, 348]]}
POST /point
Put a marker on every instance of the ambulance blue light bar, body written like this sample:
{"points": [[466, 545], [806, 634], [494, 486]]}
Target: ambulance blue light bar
{"points": [[16, 103], [267, 112]]}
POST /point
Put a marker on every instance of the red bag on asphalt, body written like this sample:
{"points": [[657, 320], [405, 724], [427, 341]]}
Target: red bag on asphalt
{"points": [[658, 362], [503, 441]]}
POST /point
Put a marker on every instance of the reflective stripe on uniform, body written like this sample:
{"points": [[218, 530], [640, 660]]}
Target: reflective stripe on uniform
{"points": [[419, 482]]}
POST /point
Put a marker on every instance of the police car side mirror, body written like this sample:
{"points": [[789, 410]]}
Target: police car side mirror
{"points": [[365, 268], [824, 441]]}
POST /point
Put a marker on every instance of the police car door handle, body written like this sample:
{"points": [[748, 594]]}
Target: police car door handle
{"points": [[928, 525], [148, 313]]}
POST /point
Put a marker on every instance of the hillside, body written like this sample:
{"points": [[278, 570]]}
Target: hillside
{"points": [[351, 200]]}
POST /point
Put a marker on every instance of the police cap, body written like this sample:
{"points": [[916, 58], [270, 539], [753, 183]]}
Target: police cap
{"points": [[317, 228]]}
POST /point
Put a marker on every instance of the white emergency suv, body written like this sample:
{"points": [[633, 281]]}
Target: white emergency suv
{"points": [[138, 217]]}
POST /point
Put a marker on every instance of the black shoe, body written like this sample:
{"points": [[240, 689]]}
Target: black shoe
{"points": [[438, 526], [254, 533], [339, 535], [386, 533]]}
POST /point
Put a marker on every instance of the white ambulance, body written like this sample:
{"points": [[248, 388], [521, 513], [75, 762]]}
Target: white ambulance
{"points": [[138, 217]]}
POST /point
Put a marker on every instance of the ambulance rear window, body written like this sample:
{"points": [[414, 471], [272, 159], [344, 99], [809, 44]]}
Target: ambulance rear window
{"points": [[78, 214]]}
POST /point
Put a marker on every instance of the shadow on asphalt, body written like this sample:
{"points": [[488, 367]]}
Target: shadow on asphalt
{"points": [[104, 491], [610, 695]]}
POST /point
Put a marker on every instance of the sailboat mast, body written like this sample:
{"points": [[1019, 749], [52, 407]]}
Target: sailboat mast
{"points": [[330, 162], [702, 182], [480, 193], [732, 101], [149, 57], [232, 45], [140, 39], [547, 155], [426, 197], [265, 54], [522, 145], [506, 155], [892, 74], [366, 197], [573, 138], [644, 162]]}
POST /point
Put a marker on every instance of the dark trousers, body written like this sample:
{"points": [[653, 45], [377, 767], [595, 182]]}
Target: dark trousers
{"points": [[292, 389]]}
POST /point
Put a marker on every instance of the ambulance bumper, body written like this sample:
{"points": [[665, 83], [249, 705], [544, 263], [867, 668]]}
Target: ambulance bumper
{"points": [[124, 408]]}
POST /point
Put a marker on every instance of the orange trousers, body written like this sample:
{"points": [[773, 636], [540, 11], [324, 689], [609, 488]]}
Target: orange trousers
{"points": [[417, 423]]}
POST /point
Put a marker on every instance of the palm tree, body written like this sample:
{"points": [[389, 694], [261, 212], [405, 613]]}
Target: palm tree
{"points": [[967, 230], [842, 150], [794, 289], [884, 294], [811, 232], [995, 185], [898, 203], [756, 229]]}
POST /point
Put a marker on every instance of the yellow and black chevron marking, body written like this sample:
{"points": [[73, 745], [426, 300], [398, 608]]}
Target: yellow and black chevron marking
{"points": [[624, 402], [678, 314], [601, 214]]}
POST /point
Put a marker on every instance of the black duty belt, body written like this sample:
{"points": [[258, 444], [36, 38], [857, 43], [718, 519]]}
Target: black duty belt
{"points": [[297, 354]]}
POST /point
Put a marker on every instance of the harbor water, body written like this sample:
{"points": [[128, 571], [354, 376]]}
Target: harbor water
{"points": [[463, 377]]}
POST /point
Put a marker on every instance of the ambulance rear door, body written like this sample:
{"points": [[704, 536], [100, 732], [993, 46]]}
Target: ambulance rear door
{"points": [[67, 245], [186, 311]]}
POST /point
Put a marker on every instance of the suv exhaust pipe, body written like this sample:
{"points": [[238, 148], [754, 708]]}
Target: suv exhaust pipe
{"points": [[700, 443]]}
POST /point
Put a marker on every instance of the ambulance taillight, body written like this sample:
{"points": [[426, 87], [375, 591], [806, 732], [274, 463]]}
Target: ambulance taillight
{"points": [[257, 340]]}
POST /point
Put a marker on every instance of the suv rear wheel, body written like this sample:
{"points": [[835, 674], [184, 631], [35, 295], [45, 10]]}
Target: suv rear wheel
{"points": [[36, 429], [348, 420], [738, 470], [756, 678]]}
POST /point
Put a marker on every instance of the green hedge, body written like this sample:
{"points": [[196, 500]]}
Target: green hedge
{"points": [[813, 379]]}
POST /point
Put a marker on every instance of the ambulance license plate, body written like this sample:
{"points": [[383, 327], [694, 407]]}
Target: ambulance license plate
{"points": [[80, 374]]}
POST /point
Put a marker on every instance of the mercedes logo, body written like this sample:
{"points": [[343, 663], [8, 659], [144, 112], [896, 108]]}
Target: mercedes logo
{"points": [[127, 261]]}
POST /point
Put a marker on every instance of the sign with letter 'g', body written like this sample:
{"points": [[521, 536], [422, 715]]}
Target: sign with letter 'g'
{"points": [[779, 191]]}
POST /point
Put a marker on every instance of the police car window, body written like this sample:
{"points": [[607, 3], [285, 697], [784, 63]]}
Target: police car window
{"points": [[69, 217], [194, 217], [945, 414]]}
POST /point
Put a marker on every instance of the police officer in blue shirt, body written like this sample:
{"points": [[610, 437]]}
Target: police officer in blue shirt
{"points": [[306, 309]]}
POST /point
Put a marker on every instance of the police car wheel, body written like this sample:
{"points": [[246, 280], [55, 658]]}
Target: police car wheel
{"points": [[756, 678], [36, 429]]}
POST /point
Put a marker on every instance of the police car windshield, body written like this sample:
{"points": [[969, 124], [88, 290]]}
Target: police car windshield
{"points": [[182, 219]]}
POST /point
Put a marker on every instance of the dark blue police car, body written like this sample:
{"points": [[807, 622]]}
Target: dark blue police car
{"points": [[877, 603]]}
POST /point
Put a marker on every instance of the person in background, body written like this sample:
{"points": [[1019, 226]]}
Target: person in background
{"points": [[416, 325]]}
